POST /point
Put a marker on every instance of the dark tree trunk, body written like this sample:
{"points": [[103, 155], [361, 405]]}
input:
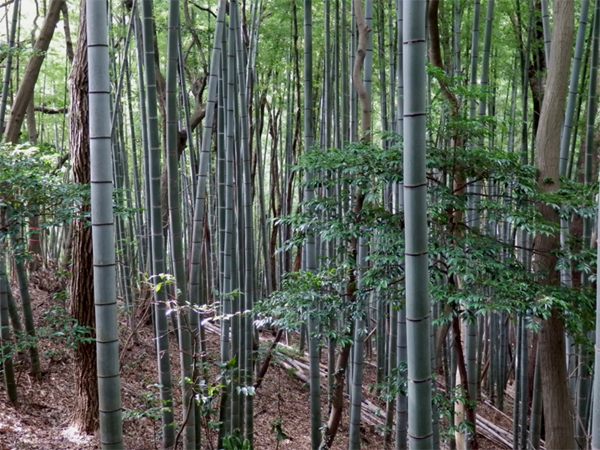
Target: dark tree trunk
{"points": [[537, 67], [69, 44], [34, 246], [85, 412]]}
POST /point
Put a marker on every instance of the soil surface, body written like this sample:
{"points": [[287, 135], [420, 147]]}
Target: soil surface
{"points": [[42, 420]]}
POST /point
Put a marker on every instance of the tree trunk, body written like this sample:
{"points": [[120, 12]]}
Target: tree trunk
{"points": [[555, 392], [26, 89], [31, 127], [34, 246], [85, 412]]}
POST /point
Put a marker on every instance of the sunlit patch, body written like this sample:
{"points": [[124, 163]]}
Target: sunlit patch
{"points": [[76, 437]]}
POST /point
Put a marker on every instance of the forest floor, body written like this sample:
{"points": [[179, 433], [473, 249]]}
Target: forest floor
{"points": [[42, 421]]}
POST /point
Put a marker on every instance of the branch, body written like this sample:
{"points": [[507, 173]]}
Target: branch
{"points": [[63, 159], [50, 109], [204, 8]]}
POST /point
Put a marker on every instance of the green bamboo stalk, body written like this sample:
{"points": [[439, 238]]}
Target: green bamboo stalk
{"points": [[226, 230], [124, 235], [9, 58], [5, 339], [237, 245], [546, 30], [596, 399], [345, 74], [485, 60], [401, 399], [572, 96], [249, 276], [13, 312], [474, 54], [524, 385], [368, 65], [23, 283], [502, 361], [420, 432], [310, 246], [399, 69], [176, 229], [326, 109], [392, 358], [158, 258], [381, 332], [452, 378], [353, 118], [518, 387], [393, 40], [357, 363], [582, 369], [337, 81], [513, 107], [197, 293], [581, 403], [193, 163], [536, 407], [456, 15], [147, 248], [140, 238], [105, 283]]}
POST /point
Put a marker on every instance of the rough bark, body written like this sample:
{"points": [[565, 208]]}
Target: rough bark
{"points": [[85, 411], [32, 71], [555, 393]]}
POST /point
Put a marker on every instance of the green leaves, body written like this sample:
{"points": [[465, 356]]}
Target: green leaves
{"points": [[302, 292], [30, 185], [277, 429], [482, 268]]}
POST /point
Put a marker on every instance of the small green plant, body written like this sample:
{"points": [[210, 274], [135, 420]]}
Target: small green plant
{"points": [[61, 327], [393, 383], [147, 408], [277, 429], [445, 402], [234, 441]]}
